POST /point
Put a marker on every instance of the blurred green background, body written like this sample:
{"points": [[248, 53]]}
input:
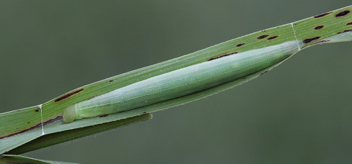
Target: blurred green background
{"points": [[298, 113]]}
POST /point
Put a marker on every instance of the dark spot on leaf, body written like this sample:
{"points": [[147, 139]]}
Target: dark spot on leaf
{"points": [[239, 45], [28, 122], [68, 95], [308, 40], [111, 80], [319, 27], [144, 112], [105, 115], [217, 57], [37, 110], [321, 15], [263, 72], [342, 13], [262, 36], [273, 37], [320, 42], [344, 31], [349, 23]]}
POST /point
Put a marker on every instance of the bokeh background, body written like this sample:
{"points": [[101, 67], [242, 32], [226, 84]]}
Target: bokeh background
{"points": [[300, 112]]}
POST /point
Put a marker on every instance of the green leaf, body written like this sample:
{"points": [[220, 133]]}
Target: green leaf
{"points": [[12, 159], [24, 125], [56, 138]]}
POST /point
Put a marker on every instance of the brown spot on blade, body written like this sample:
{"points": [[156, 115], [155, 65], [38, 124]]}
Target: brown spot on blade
{"points": [[308, 40], [273, 37], [262, 36], [342, 13], [319, 27], [345, 31], [68, 95], [217, 57], [239, 45], [321, 42], [321, 15]]}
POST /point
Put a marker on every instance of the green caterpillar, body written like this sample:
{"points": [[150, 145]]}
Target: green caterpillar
{"points": [[255, 53]]}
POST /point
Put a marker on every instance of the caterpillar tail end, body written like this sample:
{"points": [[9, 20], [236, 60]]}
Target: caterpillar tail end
{"points": [[69, 114]]}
